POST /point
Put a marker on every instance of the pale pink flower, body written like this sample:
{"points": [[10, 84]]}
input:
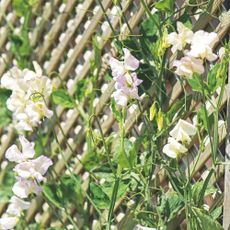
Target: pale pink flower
{"points": [[23, 188], [16, 206], [15, 155], [34, 169], [128, 84], [187, 66], [8, 222], [126, 81], [120, 98], [120, 68]]}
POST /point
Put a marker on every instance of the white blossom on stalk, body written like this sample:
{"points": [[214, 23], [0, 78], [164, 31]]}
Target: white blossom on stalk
{"points": [[183, 131], [30, 90], [23, 188], [8, 222], [174, 149], [120, 68], [188, 65], [180, 39], [33, 169], [202, 45], [29, 171], [126, 81], [13, 212], [17, 205], [15, 155]]}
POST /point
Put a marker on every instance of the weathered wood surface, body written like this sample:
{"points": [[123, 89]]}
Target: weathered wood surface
{"points": [[56, 44]]}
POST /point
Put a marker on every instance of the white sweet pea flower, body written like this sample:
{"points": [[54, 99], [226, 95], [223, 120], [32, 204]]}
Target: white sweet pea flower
{"points": [[174, 149], [183, 131], [15, 155], [120, 68], [120, 98], [33, 169], [30, 90], [202, 45], [180, 39], [14, 80], [187, 66], [16, 206], [8, 222], [23, 188]]}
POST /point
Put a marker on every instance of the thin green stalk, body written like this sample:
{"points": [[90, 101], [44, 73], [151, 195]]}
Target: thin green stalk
{"points": [[113, 201], [71, 174]]}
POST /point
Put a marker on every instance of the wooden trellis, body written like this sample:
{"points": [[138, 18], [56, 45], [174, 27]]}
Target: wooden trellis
{"points": [[61, 38]]}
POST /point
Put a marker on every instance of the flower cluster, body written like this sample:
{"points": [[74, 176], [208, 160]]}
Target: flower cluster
{"points": [[180, 137], [30, 90], [201, 48], [30, 172], [126, 81]]}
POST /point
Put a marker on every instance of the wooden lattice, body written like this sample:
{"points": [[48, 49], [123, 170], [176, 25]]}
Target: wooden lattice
{"points": [[61, 38]]}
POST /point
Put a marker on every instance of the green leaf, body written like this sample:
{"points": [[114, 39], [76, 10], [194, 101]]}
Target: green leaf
{"points": [[195, 83], [216, 213], [116, 112], [99, 197], [206, 221], [215, 76], [128, 157], [204, 187], [206, 121], [62, 98], [5, 114], [170, 205], [20, 7], [107, 187], [165, 5], [97, 53], [182, 105], [148, 27], [200, 190], [20, 44], [51, 193], [70, 187]]}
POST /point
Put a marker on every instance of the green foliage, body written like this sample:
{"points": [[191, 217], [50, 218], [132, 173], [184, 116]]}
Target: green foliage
{"points": [[83, 89], [179, 108], [128, 158], [67, 191], [23, 6], [205, 221], [99, 197], [7, 179], [165, 5], [202, 189], [62, 98], [20, 43], [5, 114], [197, 83], [216, 76], [97, 53], [116, 112], [170, 205], [207, 120]]}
